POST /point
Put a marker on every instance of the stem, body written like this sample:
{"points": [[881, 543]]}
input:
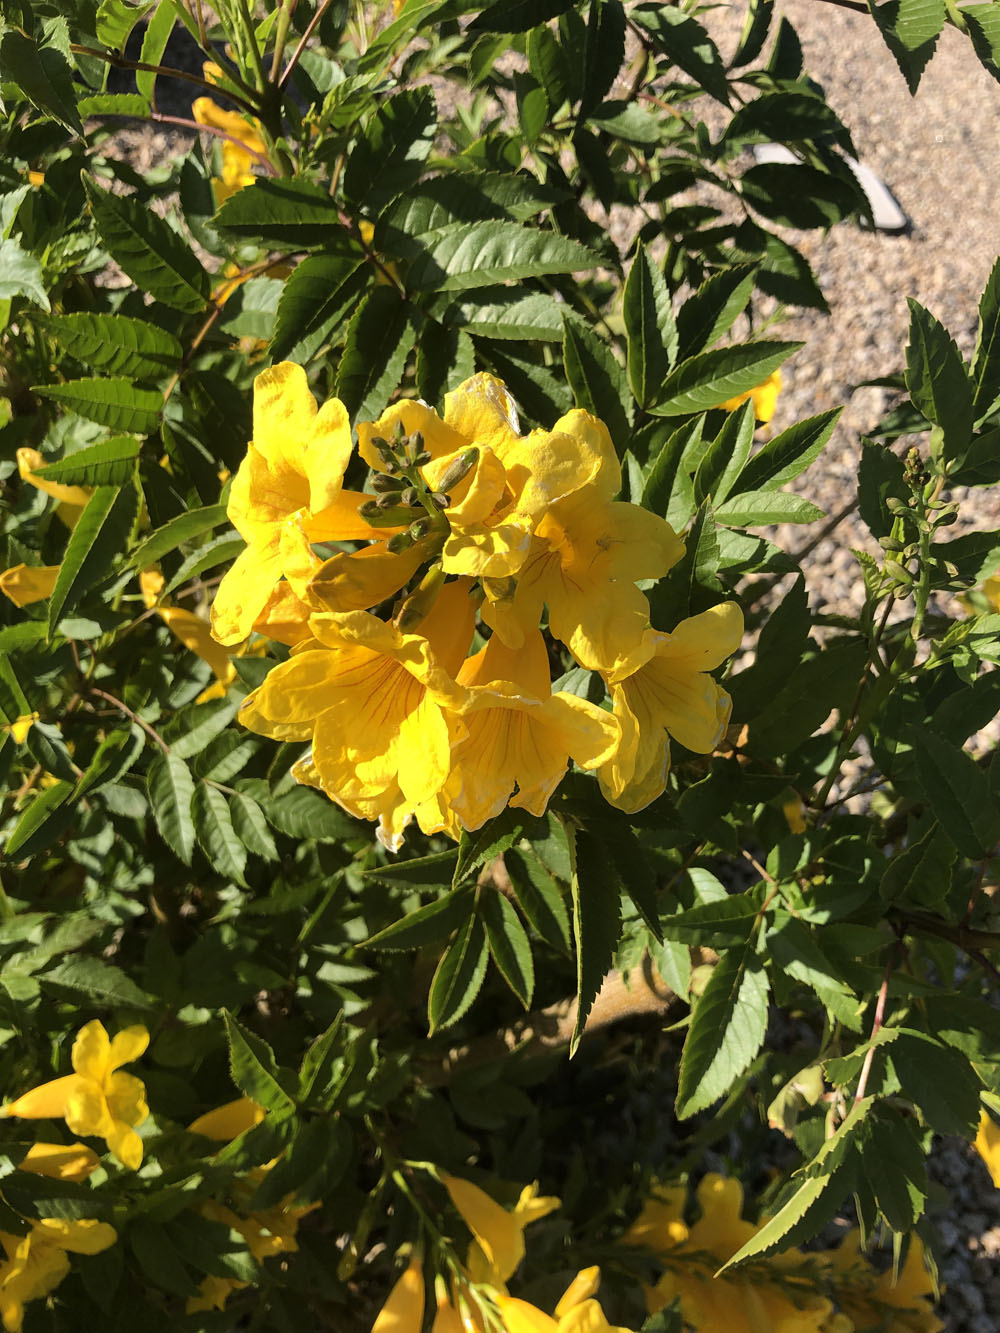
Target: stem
{"points": [[196, 342], [200, 18], [877, 1022], [168, 71], [281, 35], [258, 62], [313, 25], [124, 708]]}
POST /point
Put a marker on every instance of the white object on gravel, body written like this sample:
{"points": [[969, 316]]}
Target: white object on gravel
{"points": [[886, 212]]}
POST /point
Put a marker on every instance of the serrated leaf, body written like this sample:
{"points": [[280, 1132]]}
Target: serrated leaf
{"points": [[117, 344], [428, 925], [115, 403], [116, 19], [21, 275], [603, 52], [986, 357], [712, 310], [183, 528], [380, 337], [517, 15], [112, 759], [431, 871], [41, 822], [98, 981], [251, 826], [492, 840], [221, 550], [171, 791], [44, 76], [597, 380], [153, 255], [726, 1032], [445, 359], [725, 456], [318, 296], [254, 1068], [283, 211], [133, 105], [684, 41], [110, 463], [785, 456], [936, 379], [596, 924], [798, 195], [722, 924], [509, 945], [785, 117], [939, 1080], [650, 328], [755, 509], [958, 791], [189, 732], [459, 975], [893, 1166], [154, 43], [711, 378], [215, 833], [301, 813], [514, 315], [463, 256], [921, 873], [755, 29], [389, 156], [901, 22], [540, 897], [101, 533]]}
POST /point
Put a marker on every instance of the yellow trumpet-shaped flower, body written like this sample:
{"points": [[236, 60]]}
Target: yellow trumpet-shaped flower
{"points": [[61, 1161], [519, 734], [764, 395], [96, 1099], [869, 1299], [670, 694], [242, 147], [228, 1122], [987, 1145], [498, 1234], [72, 499], [38, 1262], [576, 1312], [372, 701], [25, 584], [403, 1311], [294, 470], [20, 727]]}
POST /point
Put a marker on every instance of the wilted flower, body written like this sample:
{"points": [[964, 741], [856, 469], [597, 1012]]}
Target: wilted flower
{"points": [[97, 1099]]}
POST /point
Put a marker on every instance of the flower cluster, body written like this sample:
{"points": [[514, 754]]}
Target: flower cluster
{"points": [[419, 673]]}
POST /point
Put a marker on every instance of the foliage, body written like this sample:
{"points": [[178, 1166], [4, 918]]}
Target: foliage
{"points": [[356, 1045]]}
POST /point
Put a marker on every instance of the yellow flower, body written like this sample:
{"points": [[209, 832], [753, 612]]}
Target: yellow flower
{"points": [[403, 1311], [194, 632], [20, 727], [870, 1300], [742, 1302], [72, 499], [576, 1312], [498, 1235], [24, 584], [372, 701], [96, 1100], [294, 470], [764, 396], [213, 1293], [519, 733], [38, 1262], [229, 1121], [240, 150], [670, 694], [61, 1161]]}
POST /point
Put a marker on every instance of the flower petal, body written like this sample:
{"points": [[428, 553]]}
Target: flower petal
{"points": [[46, 1102], [25, 584], [61, 1161], [228, 1122], [126, 1097], [125, 1143], [91, 1052], [244, 592]]}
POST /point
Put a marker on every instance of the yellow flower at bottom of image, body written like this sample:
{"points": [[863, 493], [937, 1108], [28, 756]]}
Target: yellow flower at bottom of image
{"points": [[403, 1311], [576, 1312], [38, 1262], [97, 1099], [869, 1299]]}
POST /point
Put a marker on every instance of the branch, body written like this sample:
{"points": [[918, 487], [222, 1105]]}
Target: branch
{"points": [[168, 71]]}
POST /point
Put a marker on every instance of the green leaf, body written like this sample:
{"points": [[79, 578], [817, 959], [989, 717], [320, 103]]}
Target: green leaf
{"points": [[133, 105], [102, 532], [250, 826], [21, 275], [313, 1165], [445, 359], [713, 309], [755, 29], [724, 459], [110, 463], [937, 381], [811, 690], [603, 53], [596, 924], [879, 477], [101, 983], [712, 378], [798, 195], [154, 256], [428, 925], [893, 1166], [183, 528], [158, 1259], [509, 945], [490, 841], [116, 19], [986, 357], [459, 975], [154, 43], [217, 551], [389, 156], [958, 791], [539, 897], [910, 29], [784, 457], [380, 337], [939, 1081], [318, 296], [720, 924], [685, 42], [44, 76], [117, 344], [549, 63], [755, 509], [112, 759], [597, 380], [650, 328], [480, 254], [517, 15], [215, 833], [254, 1068], [784, 117], [302, 813], [171, 791], [284, 211], [727, 1030], [921, 873], [512, 314], [115, 403], [44, 820]]}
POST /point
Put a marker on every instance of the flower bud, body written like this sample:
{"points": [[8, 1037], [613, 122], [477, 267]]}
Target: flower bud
{"points": [[382, 483], [384, 516], [459, 469], [418, 604], [439, 500], [385, 452], [399, 542], [411, 497]]}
